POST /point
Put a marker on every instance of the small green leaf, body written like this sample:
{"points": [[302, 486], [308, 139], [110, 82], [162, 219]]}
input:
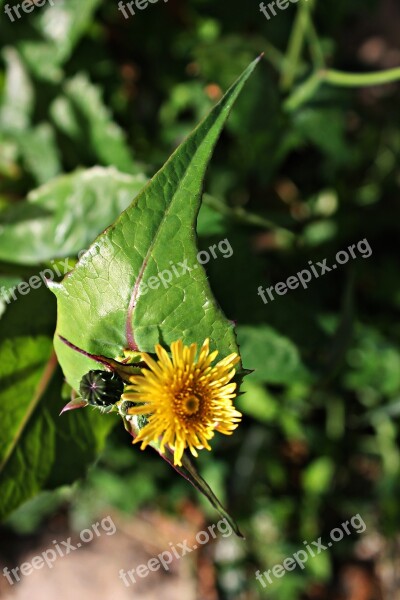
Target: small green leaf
{"points": [[257, 402], [17, 98], [7, 282], [58, 28], [318, 475], [40, 153], [81, 114], [274, 357]]}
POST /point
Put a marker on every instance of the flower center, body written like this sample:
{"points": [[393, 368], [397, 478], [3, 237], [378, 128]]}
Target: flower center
{"points": [[190, 405]]}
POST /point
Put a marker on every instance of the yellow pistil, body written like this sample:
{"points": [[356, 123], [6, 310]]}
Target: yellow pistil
{"points": [[184, 400]]}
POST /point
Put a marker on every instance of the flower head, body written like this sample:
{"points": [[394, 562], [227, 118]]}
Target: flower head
{"points": [[183, 399]]}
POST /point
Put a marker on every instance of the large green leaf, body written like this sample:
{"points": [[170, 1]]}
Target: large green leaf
{"points": [[103, 304], [37, 448], [62, 217], [24, 440]]}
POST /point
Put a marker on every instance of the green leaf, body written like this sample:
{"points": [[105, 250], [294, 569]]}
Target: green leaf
{"points": [[17, 99], [9, 152], [62, 217], [274, 358], [25, 447], [257, 402], [318, 475], [326, 129], [103, 304], [36, 145], [40, 153], [209, 221], [81, 114], [7, 282], [59, 28], [36, 449]]}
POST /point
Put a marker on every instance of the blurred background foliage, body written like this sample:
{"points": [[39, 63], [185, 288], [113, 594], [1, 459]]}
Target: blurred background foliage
{"points": [[92, 104]]}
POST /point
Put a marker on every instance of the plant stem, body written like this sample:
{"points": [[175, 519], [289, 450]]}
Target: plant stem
{"points": [[295, 46], [360, 79], [314, 44], [306, 90], [303, 92], [242, 216]]}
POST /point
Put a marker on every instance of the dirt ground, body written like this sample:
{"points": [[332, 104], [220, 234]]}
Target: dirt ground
{"points": [[92, 571]]}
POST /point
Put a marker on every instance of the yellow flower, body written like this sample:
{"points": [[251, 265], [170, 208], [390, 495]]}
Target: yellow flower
{"points": [[184, 400]]}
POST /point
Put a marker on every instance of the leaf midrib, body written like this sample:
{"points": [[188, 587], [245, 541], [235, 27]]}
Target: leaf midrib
{"points": [[134, 298]]}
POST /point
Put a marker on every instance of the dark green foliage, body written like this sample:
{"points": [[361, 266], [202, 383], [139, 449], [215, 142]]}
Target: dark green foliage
{"points": [[304, 169]]}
